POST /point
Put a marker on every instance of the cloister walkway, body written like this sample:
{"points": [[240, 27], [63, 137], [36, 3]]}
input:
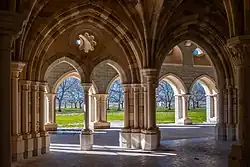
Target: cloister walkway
{"points": [[181, 146]]}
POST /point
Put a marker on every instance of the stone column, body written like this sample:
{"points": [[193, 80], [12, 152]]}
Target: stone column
{"points": [[186, 120], [34, 119], [145, 92], [10, 24], [231, 127], [101, 111], [126, 106], [17, 142], [221, 126], [28, 141], [240, 153], [209, 108], [86, 136], [178, 109], [51, 125], [135, 135], [150, 138], [42, 109], [136, 91], [125, 134]]}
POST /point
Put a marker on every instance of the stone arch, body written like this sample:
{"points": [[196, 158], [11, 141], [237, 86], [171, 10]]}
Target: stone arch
{"points": [[212, 42], [207, 83], [211, 92], [176, 83], [111, 82], [63, 77], [175, 56], [115, 67], [74, 75], [121, 35], [68, 60]]}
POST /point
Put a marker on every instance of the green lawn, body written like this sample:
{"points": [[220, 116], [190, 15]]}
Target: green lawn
{"points": [[75, 117]]}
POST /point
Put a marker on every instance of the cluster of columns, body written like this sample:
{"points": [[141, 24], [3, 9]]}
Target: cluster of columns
{"points": [[181, 109], [29, 137], [140, 130], [98, 111], [51, 112], [240, 153]]}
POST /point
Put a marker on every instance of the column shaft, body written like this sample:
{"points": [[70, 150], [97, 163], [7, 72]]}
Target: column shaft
{"points": [[145, 107], [25, 107], [51, 113], [126, 106], [86, 87], [42, 93], [34, 97], [15, 107], [136, 106], [151, 103]]}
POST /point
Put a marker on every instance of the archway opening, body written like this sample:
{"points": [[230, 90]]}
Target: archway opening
{"points": [[203, 99], [115, 106], [169, 99], [70, 104]]}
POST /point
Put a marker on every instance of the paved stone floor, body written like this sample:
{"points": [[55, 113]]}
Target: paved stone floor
{"points": [[181, 146]]}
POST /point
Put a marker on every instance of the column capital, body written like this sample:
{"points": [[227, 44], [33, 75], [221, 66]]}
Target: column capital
{"points": [[86, 85], [240, 47], [51, 95], [25, 82], [186, 96], [35, 86], [17, 67], [10, 22], [149, 72], [42, 86]]}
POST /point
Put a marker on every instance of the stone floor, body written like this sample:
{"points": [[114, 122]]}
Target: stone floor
{"points": [[181, 146]]}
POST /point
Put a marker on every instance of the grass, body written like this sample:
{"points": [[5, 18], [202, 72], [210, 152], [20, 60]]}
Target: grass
{"points": [[74, 117]]}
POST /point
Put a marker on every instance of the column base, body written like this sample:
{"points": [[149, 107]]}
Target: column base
{"points": [[186, 121], [149, 140], [17, 148], [86, 140], [100, 125], [235, 158], [231, 131], [45, 140], [51, 127], [136, 138], [125, 138], [220, 131], [28, 146], [37, 144]]}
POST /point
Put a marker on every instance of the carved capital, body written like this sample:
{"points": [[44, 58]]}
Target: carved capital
{"points": [[240, 47]]}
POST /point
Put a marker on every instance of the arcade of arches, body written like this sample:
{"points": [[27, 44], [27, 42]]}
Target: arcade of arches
{"points": [[43, 42]]}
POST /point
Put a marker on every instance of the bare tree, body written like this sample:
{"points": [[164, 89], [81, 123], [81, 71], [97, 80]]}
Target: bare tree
{"points": [[198, 96], [165, 94], [116, 94], [61, 91]]}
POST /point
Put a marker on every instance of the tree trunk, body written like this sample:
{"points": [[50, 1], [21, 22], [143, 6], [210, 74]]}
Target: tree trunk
{"points": [[197, 104], [59, 106], [65, 105], [119, 106], [76, 105], [194, 104], [71, 105], [169, 106]]}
